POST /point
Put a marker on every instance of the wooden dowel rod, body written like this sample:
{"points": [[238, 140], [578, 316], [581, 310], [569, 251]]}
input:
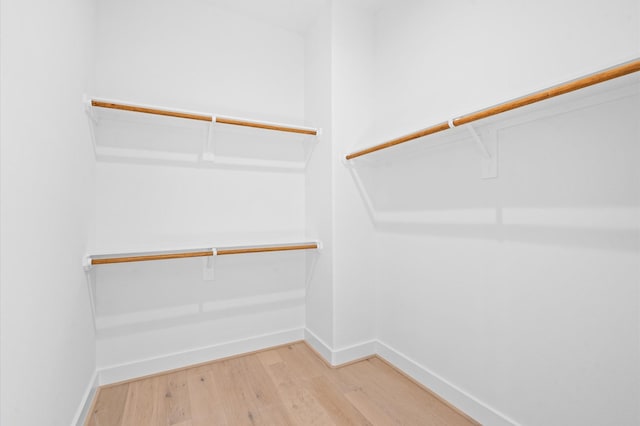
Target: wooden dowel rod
{"points": [[581, 83], [552, 92], [202, 117], [406, 138], [237, 122], [155, 111], [245, 250], [202, 253], [145, 258]]}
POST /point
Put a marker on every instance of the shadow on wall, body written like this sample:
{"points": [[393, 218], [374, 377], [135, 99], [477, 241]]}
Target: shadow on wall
{"points": [[567, 175], [143, 296]]}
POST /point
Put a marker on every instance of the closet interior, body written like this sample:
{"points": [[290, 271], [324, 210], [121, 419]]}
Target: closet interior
{"points": [[184, 187], [240, 175]]}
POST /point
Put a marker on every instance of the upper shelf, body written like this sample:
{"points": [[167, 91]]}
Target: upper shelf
{"points": [[571, 86], [136, 132], [104, 259]]}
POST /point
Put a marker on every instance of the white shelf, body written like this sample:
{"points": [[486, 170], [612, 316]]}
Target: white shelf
{"points": [[484, 132], [126, 257], [602, 86], [127, 132]]}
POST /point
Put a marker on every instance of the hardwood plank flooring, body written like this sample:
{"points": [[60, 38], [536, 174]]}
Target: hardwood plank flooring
{"points": [[288, 385]]}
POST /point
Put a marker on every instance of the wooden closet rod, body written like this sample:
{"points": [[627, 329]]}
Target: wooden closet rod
{"points": [[148, 110], [200, 253], [259, 125], [203, 117], [243, 250], [146, 257], [561, 89]]}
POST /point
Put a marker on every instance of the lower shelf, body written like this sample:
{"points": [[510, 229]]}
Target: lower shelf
{"points": [[102, 259]]}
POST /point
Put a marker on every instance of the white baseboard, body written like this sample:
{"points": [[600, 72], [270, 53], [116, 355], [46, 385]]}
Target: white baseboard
{"points": [[339, 356], [320, 346], [87, 400], [446, 390], [145, 367], [354, 353]]}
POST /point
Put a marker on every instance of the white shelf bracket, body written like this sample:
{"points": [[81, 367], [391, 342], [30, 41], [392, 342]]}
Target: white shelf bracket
{"points": [[308, 148], [479, 143], [88, 109], [92, 294], [310, 265], [86, 263], [93, 121], [208, 273], [208, 152], [488, 148]]}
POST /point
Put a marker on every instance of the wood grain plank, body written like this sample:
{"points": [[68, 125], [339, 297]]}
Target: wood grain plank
{"points": [[177, 398], [109, 407], [435, 402], [269, 357], [301, 405], [249, 395], [142, 407], [301, 361], [206, 401], [400, 399], [373, 412], [341, 411]]}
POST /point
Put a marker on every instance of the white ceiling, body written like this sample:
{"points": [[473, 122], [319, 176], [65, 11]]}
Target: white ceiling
{"points": [[294, 15]]}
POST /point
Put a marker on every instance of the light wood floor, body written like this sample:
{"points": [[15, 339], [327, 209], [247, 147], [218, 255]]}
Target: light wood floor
{"points": [[289, 385]]}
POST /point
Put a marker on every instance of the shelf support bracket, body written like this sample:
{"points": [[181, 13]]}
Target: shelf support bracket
{"points": [[91, 287], [208, 273], [86, 263], [88, 109], [208, 153], [310, 263], [93, 121], [488, 148]]}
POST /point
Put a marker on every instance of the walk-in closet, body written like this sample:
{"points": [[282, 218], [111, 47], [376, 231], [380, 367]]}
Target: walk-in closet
{"points": [[320, 212]]}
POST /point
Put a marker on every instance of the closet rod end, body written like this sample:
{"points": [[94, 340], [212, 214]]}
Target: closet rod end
{"points": [[86, 262]]}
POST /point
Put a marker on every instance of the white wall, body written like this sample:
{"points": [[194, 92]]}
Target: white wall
{"points": [[341, 300], [48, 344], [319, 180], [521, 291], [201, 57], [352, 109], [482, 53]]}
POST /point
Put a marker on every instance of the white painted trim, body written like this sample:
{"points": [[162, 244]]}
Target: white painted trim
{"points": [[339, 356], [354, 352], [145, 367], [320, 346], [445, 389], [87, 400]]}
